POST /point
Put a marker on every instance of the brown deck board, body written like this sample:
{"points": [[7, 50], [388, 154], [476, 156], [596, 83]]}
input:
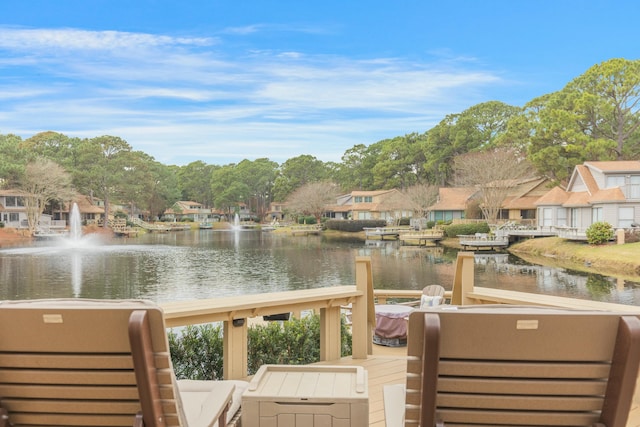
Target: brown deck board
{"points": [[387, 365]]}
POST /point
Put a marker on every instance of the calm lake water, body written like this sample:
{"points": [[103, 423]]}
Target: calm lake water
{"points": [[209, 263]]}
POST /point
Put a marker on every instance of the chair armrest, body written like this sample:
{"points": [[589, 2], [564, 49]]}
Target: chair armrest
{"points": [[394, 400]]}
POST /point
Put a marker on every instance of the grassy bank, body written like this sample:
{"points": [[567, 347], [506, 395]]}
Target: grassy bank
{"points": [[611, 260]]}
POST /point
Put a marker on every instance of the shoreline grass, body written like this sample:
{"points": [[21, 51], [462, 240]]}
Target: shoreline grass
{"points": [[610, 259]]}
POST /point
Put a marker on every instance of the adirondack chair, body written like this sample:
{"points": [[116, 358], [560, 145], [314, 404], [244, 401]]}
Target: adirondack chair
{"points": [[516, 366], [98, 363]]}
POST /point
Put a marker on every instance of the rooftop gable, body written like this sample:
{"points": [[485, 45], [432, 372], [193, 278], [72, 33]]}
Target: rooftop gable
{"points": [[453, 198], [620, 166], [555, 196]]}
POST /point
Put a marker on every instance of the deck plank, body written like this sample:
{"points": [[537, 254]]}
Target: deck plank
{"points": [[387, 365]]}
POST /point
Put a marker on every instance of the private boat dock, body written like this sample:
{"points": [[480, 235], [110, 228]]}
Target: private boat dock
{"points": [[382, 232], [422, 237], [305, 230], [384, 365], [484, 241]]}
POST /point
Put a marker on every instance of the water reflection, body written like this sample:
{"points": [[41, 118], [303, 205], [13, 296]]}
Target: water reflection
{"points": [[210, 263], [506, 271]]}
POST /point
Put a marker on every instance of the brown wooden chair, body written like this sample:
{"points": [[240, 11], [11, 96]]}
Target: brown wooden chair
{"points": [[517, 366], [97, 363]]}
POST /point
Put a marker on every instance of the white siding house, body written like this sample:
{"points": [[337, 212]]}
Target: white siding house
{"points": [[597, 191]]}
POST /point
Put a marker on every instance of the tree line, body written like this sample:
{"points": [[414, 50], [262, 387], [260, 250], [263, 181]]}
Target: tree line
{"points": [[594, 117]]}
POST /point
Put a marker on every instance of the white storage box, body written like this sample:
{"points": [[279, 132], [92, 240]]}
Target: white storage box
{"points": [[307, 396]]}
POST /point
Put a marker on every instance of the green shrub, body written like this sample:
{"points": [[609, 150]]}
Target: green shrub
{"points": [[1, 224], [431, 224], [466, 229], [197, 351], [404, 221], [599, 233], [307, 219], [354, 226]]}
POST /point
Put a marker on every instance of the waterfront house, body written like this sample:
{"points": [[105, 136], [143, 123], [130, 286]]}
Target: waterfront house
{"points": [[389, 205], [597, 191], [520, 203], [276, 211], [13, 214], [452, 203], [91, 210], [185, 209]]}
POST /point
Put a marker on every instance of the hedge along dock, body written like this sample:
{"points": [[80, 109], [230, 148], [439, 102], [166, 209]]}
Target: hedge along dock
{"points": [[421, 238]]}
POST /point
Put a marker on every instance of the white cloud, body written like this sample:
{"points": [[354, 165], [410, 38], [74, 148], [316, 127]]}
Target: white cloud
{"points": [[179, 98], [74, 39]]}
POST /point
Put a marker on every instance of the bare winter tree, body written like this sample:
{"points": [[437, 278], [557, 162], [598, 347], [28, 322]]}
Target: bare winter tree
{"points": [[495, 173], [422, 196], [312, 198], [43, 181]]}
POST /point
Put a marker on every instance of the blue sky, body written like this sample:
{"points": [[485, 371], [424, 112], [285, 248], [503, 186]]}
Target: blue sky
{"points": [[222, 81]]}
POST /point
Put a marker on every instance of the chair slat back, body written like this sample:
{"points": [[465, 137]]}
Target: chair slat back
{"points": [[518, 366], [68, 362]]}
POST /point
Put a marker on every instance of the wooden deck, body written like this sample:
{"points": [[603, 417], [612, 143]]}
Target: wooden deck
{"points": [[387, 365]]}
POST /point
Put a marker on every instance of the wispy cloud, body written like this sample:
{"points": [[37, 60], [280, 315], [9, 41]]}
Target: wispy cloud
{"points": [[73, 39], [181, 98]]}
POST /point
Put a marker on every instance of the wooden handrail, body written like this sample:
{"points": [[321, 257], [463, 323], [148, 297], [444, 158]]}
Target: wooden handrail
{"points": [[233, 311]]}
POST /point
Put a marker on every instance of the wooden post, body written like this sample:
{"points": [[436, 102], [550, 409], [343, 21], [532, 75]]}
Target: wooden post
{"points": [[363, 316], [463, 279], [235, 365], [330, 342]]}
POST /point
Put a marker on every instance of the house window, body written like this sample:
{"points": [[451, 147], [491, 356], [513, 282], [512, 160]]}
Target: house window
{"points": [[561, 214], [634, 189], [615, 181], [625, 217], [14, 217], [596, 215], [368, 199], [13, 202], [547, 217], [357, 199], [574, 217]]}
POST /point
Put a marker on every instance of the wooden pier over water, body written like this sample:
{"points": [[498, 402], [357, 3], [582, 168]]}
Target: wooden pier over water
{"points": [[422, 237], [382, 232], [484, 241]]}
